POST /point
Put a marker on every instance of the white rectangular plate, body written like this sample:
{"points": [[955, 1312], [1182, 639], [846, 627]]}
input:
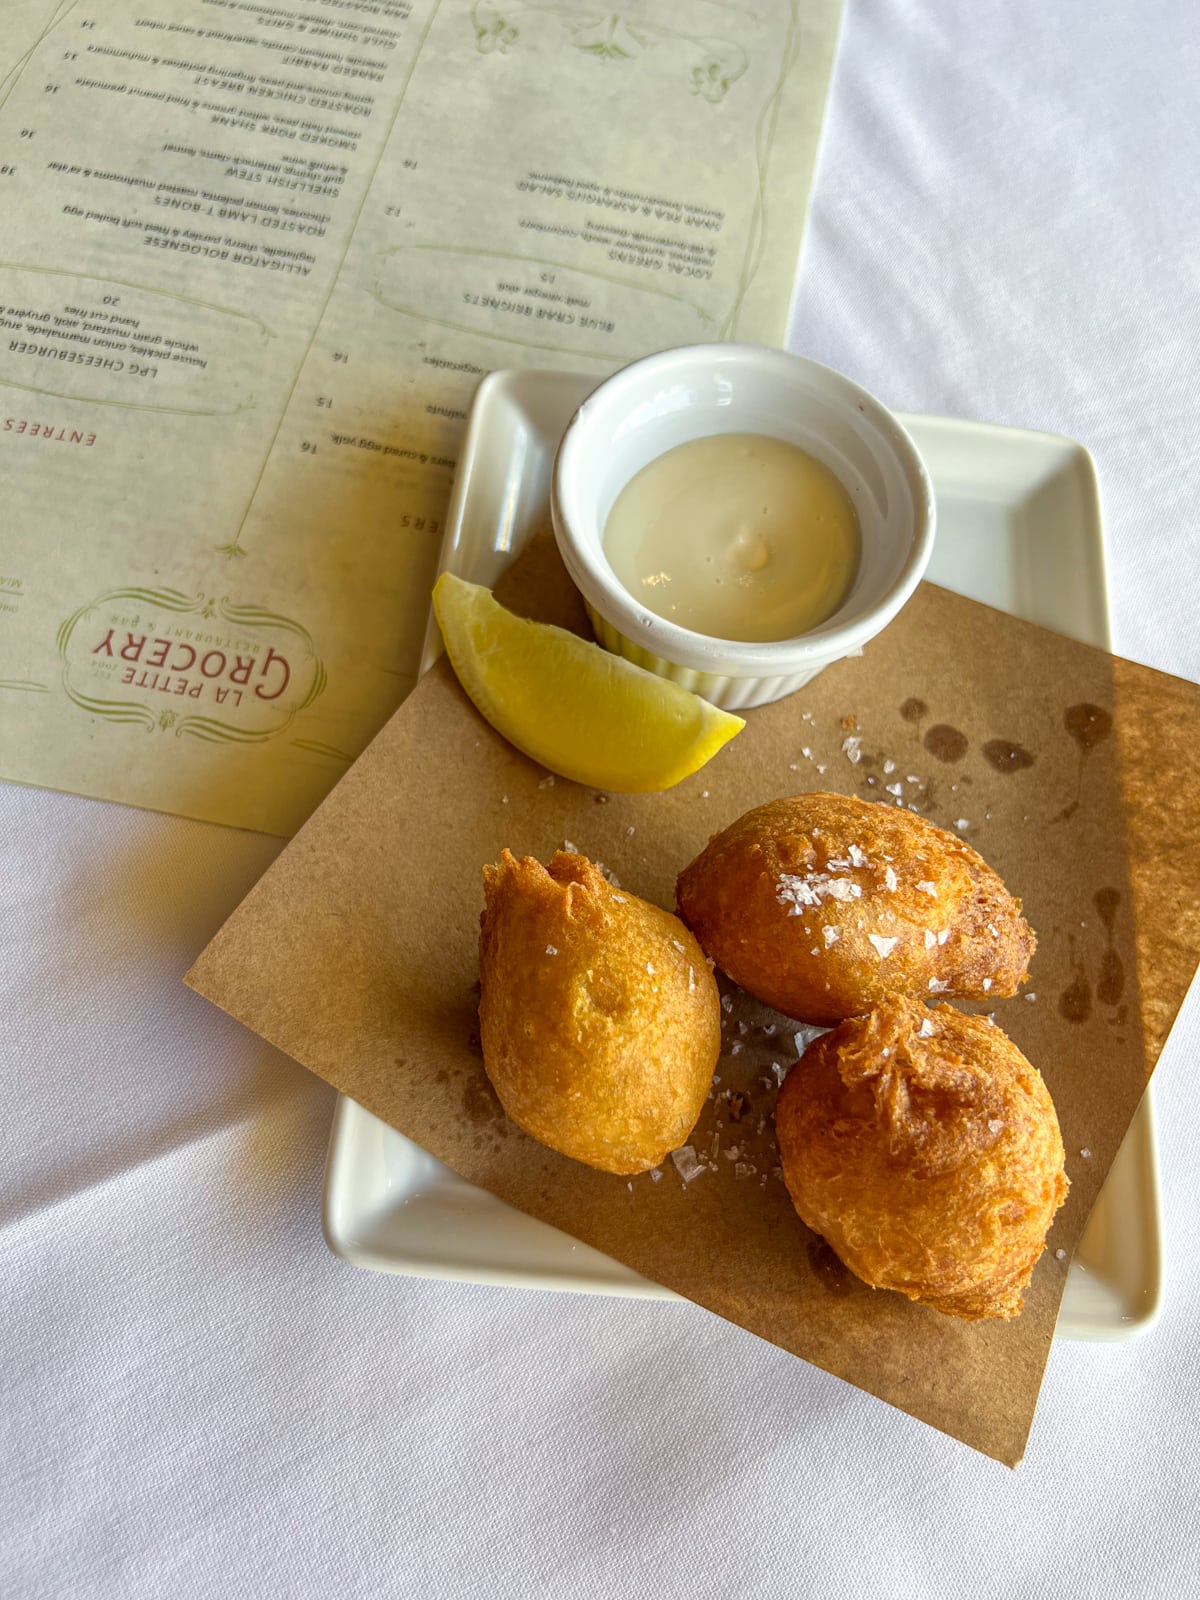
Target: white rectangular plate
{"points": [[1019, 528]]}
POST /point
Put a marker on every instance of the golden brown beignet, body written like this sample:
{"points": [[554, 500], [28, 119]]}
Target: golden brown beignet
{"points": [[821, 904], [599, 1015], [924, 1148]]}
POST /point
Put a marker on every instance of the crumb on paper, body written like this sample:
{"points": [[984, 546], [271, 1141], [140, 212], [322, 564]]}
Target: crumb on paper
{"points": [[1085, 1154], [1060, 1255], [962, 824], [1031, 996], [687, 1163], [852, 748], [888, 768], [570, 847], [655, 1174]]}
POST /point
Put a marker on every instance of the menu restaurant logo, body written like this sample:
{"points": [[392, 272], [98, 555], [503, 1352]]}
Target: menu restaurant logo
{"points": [[189, 664]]}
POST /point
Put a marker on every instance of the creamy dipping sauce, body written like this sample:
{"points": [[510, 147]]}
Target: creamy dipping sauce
{"points": [[738, 536]]}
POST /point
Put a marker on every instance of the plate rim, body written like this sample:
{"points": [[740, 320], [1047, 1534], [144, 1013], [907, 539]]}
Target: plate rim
{"points": [[1142, 1125]]}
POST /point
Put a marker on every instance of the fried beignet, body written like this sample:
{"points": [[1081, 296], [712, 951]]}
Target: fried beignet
{"points": [[924, 1148], [821, 904], [599, 1015]]}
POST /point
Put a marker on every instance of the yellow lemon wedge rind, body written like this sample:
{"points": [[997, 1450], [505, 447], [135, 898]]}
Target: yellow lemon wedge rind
{"points": [[571, 705]]}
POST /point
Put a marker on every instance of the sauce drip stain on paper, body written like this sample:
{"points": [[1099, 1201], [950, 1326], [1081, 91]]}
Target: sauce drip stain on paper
{"points": [[1004, 757], [945, 743]]}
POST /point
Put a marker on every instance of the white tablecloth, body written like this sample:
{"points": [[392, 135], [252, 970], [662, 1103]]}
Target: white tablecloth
{"points": [[198, 1399]]}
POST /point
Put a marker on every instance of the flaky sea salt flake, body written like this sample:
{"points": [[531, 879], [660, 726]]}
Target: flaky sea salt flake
{"points": [[793, 892], [882, 945], [938, 985], [687, 1163], [842, 889]]}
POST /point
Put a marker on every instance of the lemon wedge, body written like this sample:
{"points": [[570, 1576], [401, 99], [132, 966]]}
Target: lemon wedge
{"points": [[570, 705]]}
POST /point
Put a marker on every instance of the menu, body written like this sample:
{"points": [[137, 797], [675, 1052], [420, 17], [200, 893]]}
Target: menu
{"points": [[255, 255]]}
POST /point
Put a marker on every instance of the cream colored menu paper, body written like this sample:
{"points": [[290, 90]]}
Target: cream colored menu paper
{"points": [[254, 257]]}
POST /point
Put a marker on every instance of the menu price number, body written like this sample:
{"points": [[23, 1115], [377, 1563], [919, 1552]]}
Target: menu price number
{"points": [[307, 447], [325, 401], [340, 355]]}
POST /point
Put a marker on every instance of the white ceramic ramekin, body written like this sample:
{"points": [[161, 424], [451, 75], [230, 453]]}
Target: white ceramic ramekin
{"points": [[694, 392]]}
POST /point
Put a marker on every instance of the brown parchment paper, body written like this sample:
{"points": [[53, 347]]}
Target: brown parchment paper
{"points": [[1073, 773]]}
